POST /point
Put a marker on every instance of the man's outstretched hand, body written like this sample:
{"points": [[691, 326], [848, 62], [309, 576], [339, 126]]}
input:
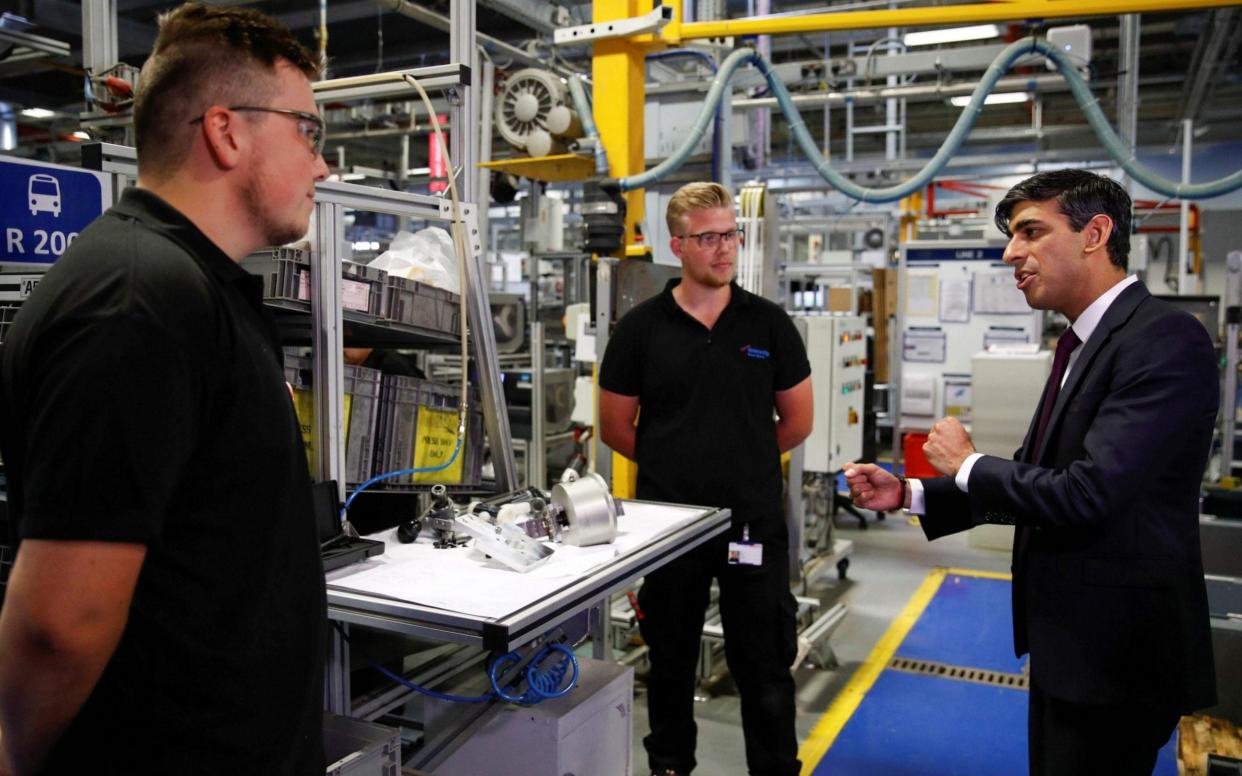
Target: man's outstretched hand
{"points": [[873, 488]]}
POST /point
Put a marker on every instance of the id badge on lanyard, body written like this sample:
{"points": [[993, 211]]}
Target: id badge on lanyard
{"points": [[745, 552]]}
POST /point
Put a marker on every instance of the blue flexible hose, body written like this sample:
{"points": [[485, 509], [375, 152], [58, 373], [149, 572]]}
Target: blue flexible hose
{"points": [[544, 684], [398, 473]]}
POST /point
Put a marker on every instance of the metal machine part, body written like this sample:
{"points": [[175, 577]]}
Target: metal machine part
{"points": [[506, 542], [580, 512], [440, 517], [589, 511], [534, 112]]}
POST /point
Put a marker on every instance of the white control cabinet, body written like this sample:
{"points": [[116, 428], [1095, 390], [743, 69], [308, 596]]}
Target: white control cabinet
{"points": [[584, 733], [1007, 387], [837, 348]]}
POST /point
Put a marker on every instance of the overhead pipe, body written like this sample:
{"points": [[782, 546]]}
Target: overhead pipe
{"points": [[1115, 147], [1043, 83]]}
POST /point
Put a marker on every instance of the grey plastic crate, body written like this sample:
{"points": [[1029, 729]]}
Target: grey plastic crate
{"points": [[286, 277], [362, 395], [285, 273], [7, 313], [362, 288], [404, 444], [357, 748], [420, 304]]}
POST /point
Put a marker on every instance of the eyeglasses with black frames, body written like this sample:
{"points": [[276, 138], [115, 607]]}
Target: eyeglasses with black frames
{"points": [[310, 126], [710, 240]]}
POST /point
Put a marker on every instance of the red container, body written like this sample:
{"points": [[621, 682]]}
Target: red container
{"points": [[916, 464]]}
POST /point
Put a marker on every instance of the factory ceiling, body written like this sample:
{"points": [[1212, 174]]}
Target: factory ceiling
{"points": [[1188, 68]]}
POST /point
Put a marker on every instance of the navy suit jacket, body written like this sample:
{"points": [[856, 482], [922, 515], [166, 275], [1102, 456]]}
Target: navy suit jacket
{"points": [[1108, 591]]}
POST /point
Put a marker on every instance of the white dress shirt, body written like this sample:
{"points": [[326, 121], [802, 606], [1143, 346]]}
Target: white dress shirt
{"points": [[1084, 327]]}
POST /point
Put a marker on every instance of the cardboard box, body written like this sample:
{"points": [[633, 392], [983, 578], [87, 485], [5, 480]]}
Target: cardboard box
{"points": [[840, 299]]}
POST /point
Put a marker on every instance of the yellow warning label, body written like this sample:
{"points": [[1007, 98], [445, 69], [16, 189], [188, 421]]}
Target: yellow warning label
{"points": [[433, 446], [304, 407]]}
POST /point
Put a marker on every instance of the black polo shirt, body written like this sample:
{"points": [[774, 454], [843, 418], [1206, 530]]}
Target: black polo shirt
{"points": [[706, 428], [144, 402]]}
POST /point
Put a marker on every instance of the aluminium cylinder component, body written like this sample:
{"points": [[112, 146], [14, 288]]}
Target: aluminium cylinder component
{"points": [[589, 511]]}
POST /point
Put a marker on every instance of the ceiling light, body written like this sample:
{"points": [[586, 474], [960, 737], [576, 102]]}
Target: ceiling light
{"points": [[38, 113], [951, 35], [992, 99]]}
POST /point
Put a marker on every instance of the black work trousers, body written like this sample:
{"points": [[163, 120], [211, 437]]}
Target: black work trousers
{"points": [[1075, 739], [759, 615]]}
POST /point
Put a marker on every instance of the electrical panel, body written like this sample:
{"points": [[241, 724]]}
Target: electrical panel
{"points": [[837, 348]]}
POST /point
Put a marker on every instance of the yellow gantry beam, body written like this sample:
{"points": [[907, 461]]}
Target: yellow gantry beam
{"points": [[1013, 10]]}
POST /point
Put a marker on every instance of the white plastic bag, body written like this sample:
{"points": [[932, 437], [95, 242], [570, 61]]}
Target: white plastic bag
{"points": [[426, 256]]}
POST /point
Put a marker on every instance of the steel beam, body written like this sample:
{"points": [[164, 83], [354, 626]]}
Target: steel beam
{"points": [[99, 46], [929, 16]]}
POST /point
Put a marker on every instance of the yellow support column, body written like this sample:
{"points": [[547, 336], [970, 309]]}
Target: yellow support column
{"points": [[619, 72]]}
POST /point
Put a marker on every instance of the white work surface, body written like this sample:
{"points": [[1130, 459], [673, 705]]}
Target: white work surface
{"points": [[464, 581]]}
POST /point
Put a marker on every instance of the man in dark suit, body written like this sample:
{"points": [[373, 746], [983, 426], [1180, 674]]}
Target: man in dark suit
{"points": [[1108, 591]]}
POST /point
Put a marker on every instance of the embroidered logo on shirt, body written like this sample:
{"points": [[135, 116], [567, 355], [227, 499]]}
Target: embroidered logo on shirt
{"points": [[755, 352]]}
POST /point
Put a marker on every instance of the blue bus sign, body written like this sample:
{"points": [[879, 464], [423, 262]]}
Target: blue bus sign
{"points": [[44, 207]]}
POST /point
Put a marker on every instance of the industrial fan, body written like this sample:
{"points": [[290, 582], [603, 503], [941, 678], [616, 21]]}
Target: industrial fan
{"points": [[533, 114]]}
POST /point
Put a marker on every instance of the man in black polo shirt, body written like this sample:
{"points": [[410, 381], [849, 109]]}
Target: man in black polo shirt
{"points": [[708, 364], [166, 611]]}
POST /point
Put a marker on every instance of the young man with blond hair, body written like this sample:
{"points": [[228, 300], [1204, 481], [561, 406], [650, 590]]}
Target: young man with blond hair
{"points": [[709, 365]]}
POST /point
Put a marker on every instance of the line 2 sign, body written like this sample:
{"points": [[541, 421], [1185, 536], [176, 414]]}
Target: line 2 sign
{"points": [[43, 207]]}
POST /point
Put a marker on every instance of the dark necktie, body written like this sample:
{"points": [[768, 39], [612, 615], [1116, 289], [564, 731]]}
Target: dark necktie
{"points": [[1069, 340]]}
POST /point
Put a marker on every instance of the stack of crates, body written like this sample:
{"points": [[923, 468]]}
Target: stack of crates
{"points": [[362, 395], [7, 313], [419, 304], [286, 277], [418, 429]]}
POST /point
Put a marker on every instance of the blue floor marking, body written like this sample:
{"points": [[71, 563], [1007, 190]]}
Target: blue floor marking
{"points": [[910, 724], [967, 623], [916, 725]]}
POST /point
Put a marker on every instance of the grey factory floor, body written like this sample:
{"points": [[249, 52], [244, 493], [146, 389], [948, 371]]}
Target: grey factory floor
{"points": [[890, 560]]}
